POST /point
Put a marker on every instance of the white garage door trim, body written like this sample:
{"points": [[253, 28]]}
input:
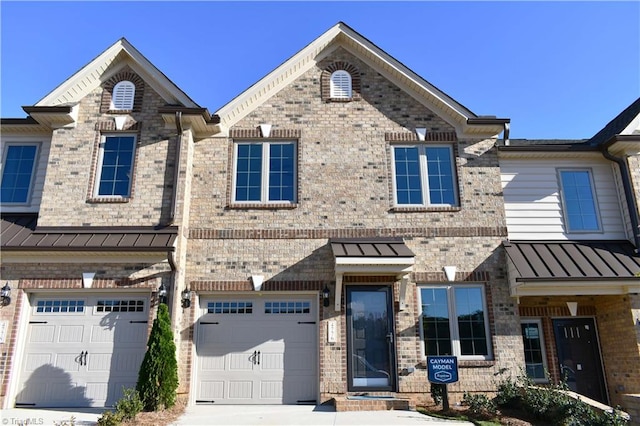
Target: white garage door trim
{"points": [[256, 349], [81, 349]]}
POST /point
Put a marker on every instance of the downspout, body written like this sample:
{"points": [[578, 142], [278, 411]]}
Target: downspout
{"points": [[176, 169], [628, 193]]}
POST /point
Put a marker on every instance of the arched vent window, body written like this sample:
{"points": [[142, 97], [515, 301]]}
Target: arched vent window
{"points": [[123, 93], [341, 85]]}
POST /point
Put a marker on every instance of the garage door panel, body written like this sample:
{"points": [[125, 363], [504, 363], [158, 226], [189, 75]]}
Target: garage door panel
{"points": [[126, 361], [241, 389], [240, 361], [212, 363], [99, 362], [211, 390], [71, 334], [271, 361], [270, 389], [33, 361], [68, 362], [42, 333]]}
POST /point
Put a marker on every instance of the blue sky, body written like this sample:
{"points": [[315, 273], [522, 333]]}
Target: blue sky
{"points": [[556, 69]]}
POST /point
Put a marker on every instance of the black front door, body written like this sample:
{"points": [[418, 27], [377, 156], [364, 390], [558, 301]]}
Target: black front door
{"points": [[579, 356], [370, 349]]}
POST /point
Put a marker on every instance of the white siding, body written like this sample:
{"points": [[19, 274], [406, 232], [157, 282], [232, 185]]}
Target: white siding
{"points": [[44, 144], [533, 205]]}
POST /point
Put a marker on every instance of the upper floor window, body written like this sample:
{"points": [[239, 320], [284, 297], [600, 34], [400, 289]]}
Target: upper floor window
{"points": [[18, 169], [424, 175], [454, 321], [265, 172], [578, 200], [123, 94], [115, 166], [341, 85]]}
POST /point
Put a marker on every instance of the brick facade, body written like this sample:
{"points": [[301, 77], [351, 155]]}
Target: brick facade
{"points": [[345, 191]]}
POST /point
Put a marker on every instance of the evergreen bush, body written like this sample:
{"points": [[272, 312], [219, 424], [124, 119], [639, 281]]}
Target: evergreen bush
{"points": [[158, 376]]}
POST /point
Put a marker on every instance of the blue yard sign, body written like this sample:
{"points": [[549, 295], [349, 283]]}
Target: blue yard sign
{"points": [[442, 369]]}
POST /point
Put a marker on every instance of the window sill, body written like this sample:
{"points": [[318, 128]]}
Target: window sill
{"points": [[262, 206], [413, 209], [108, 200]]}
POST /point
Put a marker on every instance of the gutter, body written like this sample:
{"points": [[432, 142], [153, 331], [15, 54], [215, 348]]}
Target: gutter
{"points": [[628, 193]]}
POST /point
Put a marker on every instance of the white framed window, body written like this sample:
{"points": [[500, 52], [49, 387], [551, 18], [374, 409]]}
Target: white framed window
{"points": [[265, 172], [18, 170], [123, 94], [115, 166], [534, 354], [579, 200], [424, 175], [454, 321], [340, 83]]}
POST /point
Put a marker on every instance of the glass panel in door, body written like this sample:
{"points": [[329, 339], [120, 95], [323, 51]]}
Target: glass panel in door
{"points": [[370, 338]]}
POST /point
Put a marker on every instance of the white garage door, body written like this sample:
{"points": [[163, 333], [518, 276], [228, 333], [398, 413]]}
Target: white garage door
{"points": [[257, 350], [81, 351]]}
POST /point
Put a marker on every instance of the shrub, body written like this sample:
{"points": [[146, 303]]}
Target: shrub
{"points": [[109, 418], [129, 405], [508, 393], [158, 376], [437, 393], [480, 406]]}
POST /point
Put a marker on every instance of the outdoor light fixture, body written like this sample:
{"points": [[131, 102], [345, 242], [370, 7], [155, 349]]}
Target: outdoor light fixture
{"points": [[326, 293], [450, 272], [186, 298], [5, 293], [162, 293]]}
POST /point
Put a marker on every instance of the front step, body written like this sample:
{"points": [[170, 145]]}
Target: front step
{"points": [[370, 403]]}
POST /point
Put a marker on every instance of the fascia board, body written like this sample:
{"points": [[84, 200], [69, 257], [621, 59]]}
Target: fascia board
{"points": [[91, 76], [592, 288], [339, 35], [19, 257], [267, 86]]}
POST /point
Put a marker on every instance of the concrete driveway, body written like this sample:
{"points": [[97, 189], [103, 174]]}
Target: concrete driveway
{"points": [[302, 415], [222, 415]]}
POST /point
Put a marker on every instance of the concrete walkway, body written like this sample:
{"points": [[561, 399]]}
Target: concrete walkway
{"points": [[221, 415], [302, 415]]}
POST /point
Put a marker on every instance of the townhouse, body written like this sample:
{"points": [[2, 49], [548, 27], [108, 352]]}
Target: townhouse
{"points": [[572, 217], [316, 238]]}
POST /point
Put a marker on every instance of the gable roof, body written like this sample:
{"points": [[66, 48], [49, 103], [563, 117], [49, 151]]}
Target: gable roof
{"points": [[106, 64], [619, 125], [341, 35]]}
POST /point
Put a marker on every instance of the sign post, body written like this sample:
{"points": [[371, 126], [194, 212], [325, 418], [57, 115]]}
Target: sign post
{"points": [[443, 370]]}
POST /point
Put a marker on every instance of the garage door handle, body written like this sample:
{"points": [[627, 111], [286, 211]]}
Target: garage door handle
{"points": [[83, 357], [258, 357]]}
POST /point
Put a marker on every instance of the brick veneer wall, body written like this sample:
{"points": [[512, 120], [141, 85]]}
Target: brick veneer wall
{"points": [[345, 190], [67, 196]]}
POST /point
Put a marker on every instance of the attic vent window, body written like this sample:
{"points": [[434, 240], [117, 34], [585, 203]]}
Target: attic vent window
{"points": [[341, 85], [122, 98]]}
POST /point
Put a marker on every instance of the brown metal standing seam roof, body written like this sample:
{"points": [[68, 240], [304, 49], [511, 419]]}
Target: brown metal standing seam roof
{"points": [[373, 247], [573, 260], [18, 232]]}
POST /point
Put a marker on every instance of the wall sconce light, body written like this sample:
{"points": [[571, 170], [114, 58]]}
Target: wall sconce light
{"points": [[450, 272], [162, 293], [421, 132], [573, 308], [5, 293], [326, 293], [186, 298]]}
